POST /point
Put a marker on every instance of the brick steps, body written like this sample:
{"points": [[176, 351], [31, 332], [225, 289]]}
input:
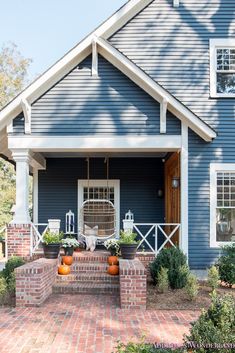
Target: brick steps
{"points": [[86, 288], [89, 267], [74, 278]]}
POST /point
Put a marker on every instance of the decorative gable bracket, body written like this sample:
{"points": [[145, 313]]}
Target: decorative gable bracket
{"points": [[163, 112], [94, 69], [27, 115]]}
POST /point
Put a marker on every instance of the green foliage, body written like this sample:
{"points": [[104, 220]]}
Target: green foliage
{"points": [[213, 277], [142, 347], [226, 265], [52, 238], [215, 326], [11, 264], [3, 288], [175, 261], [13, 72], [192, 287], [70, 243], [127, 238], [162, 280]]}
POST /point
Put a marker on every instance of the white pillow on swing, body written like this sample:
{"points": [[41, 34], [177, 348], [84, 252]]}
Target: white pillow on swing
{"points": [[91, 231]]}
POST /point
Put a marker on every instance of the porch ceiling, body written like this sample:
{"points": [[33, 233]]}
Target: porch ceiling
{"points": [[100, 154]]}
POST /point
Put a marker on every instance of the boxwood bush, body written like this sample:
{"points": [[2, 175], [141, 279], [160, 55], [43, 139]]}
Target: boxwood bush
{"points": [[175, 261], [226, 265], [214, 326], [142, 347], [11, 264]]}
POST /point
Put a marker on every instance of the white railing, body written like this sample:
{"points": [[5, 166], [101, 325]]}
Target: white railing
{"points": [[157, 235], [37, 237]]}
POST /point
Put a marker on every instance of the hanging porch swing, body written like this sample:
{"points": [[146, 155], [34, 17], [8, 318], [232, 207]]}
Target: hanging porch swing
{"points": [[97, 216]]}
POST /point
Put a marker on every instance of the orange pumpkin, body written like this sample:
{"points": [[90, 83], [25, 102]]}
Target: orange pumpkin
{"points": [[112, 260], [113, 270], [64, 270], [67, 260]]}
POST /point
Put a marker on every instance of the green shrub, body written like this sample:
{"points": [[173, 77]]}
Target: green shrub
{"points": [[214, 326], [11, 264], [226, 265], [213, 277], [142, 347], [175, 261], [162, 280], [192, 286], [3, 288], [11, 284]]}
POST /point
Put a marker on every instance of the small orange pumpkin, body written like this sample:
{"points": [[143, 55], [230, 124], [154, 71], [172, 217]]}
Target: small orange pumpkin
{"points": [[67, 260], [112, 260], [64, 270], [113, 270]]}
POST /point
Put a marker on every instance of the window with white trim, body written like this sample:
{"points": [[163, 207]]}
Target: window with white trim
{"points": [[222, 67], [222, 204]]}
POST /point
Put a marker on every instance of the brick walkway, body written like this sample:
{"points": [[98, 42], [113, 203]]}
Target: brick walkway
{"points": [[85, 324]]}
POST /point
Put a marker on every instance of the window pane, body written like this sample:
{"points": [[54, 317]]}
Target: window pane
{"points": [[225, 83], [225, 59], [225, 224]]}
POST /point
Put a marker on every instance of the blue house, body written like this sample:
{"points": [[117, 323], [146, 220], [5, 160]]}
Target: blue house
{"points": [[141, 114]]}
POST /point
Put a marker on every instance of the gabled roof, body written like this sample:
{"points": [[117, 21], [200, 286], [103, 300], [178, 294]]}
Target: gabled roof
{"points": [[83, 49]]}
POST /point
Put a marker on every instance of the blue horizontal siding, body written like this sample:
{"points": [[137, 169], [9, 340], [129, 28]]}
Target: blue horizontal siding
{"points": [[138, 186], [110, 104], [172, 46]]}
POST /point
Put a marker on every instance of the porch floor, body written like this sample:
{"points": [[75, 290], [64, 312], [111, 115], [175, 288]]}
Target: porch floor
{"points": [[86, 324]]}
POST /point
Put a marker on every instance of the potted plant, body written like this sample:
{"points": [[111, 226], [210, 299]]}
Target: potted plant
{"points": [[69, 244], [113, 246], [128, 245], [51, 244]]}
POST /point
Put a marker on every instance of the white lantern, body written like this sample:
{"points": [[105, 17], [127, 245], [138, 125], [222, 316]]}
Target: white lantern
{"points": [[69, 223], [128, 222]]}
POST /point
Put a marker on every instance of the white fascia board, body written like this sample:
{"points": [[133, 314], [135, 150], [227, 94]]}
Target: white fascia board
{"points": [[96, 144], [71, 59], [150, 86]]}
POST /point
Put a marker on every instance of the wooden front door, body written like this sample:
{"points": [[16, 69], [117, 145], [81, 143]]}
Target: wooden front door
{"points": [[172, 196]]}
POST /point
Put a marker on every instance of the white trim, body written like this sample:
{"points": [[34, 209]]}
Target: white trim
{"points": [[214, 168], [163, 112], [71, 59], [35, 196], [27, 115], [155, 90], [184, 190], [99, 143], [101, 183], [214, 44], [10, 127], [94, 69]]}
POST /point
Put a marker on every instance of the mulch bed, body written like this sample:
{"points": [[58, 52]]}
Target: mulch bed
{"points": [[178, 300]]}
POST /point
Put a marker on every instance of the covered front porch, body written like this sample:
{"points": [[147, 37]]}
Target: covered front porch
{"points": [[152, 184]]}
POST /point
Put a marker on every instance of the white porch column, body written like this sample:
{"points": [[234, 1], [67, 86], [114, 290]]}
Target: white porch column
{"points": [[184, 190], [22, 157]]}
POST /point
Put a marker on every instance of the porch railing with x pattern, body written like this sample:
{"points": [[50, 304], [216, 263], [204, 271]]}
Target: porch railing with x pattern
{"points": [[37, 232], [155, 236]]}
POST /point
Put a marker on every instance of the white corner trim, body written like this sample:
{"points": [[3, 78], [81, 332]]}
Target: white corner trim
{"points": [[150, 86], [10, 127], [94, 69], [27, 115], [214, 44], [71, 59], [163, 112], [101, 183], [214, 168], [176, 3], [96, 144], [35, 195], [184, 190]]}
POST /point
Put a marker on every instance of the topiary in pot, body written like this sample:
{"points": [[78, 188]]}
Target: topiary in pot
{"points": [[226, 265], [51, 244], [175, 261], [128, 245]]}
